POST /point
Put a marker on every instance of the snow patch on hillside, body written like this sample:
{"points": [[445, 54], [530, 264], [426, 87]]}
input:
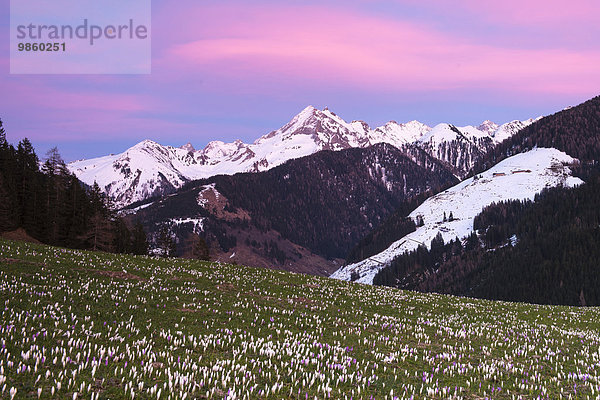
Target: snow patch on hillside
{"points": [[518, 177], [203, 196], [198, 223]]}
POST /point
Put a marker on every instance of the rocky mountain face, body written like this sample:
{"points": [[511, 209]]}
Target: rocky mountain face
{"points": [[149, 169]]}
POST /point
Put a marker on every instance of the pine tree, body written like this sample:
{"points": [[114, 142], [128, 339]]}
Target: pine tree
{"points": [[27, 185], [6, 211], [122, 238], [78, 211], [196, 248], [166, 243], [3, 142], [140, 240], [100, 229], [55, 198]]}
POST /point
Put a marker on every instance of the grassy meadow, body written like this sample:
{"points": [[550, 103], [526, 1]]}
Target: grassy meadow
{"points": [[84, 325]]}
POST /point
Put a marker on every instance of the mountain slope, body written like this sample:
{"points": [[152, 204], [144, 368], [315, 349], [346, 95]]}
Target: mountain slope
{"points": [[149, 169], [463, 147], [518, 177], [323, 203], [575, 131], [544, 251]]}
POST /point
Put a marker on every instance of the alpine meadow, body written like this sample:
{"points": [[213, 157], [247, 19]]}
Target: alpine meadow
{"points": [[300, 200]]}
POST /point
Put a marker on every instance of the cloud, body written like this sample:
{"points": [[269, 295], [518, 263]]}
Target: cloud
{"points": [[530, 12], [335, 47]]}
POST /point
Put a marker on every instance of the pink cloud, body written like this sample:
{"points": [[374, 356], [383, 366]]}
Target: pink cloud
{"points": [[62, 113], [529, 12], [34, 91], [340, 48]]}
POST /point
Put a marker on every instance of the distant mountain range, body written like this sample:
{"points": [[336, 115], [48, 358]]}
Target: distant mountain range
{"points": [[503, 212], [304, 215], [149, 169]]}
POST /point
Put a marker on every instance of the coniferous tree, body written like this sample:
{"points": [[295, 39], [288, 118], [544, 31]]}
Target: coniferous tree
{"points": [[166, 243], [52, 205], [100, 231], [140, 240], [3, 142], [27, 183], [6, 211], [78, 211], [54, 198], [122, 237], [196, 248]]}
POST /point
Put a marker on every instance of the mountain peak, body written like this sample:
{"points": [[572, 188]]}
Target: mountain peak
{"points": [[488, 127], [188, 147], [308, 132], [308, 110], [146, 143]]}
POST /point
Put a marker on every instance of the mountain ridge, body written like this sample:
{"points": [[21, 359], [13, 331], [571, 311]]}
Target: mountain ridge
{"points": [[317, 205], [149, 169]]}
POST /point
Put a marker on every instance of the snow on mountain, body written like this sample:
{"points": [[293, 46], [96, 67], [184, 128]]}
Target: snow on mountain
{"points": [[488, 127], [461, 147], [148, 168], [397, 134], [188, 147], [142, 171], [505, 131], [518, 177]]}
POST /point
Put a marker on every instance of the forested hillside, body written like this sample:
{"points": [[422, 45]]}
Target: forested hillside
{"points": [[325, 202], [396, 226], [545, 251], [52, 206], [576, 131]]}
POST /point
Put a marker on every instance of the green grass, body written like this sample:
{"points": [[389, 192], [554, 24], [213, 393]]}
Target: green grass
{"points": [[107, 326]]}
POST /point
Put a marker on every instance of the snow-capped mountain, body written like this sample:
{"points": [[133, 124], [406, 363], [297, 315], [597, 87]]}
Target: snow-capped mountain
{"points": [[148, 168], [519, 177], [461, 147], [314, 207]]}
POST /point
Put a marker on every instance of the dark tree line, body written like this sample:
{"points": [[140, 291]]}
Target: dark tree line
{"points": [[545, 251], [54, 207], [394, 228]]}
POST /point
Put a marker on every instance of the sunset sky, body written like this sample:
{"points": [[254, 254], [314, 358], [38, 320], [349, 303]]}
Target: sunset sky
{"points": [[223, 70]]}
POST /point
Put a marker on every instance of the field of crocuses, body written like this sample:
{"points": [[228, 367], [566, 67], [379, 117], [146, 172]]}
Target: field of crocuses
{"points": [[82, 325]]}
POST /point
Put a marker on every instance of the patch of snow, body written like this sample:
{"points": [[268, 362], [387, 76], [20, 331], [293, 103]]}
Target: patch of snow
{"points": [[198, 223], [202, 200], [545, 168]]}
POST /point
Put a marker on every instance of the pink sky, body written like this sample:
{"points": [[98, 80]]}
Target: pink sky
{"points": [[231, 69]]}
